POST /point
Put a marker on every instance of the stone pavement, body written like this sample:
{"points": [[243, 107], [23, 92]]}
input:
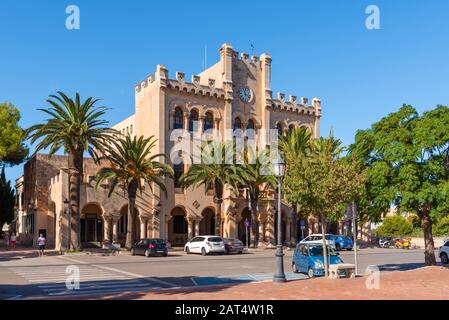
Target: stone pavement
{"points": [[424, 283]]}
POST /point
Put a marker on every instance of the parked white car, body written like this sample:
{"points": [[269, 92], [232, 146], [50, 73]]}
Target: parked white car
{"points": [[444, 252], [318, 239], [205, 245]]}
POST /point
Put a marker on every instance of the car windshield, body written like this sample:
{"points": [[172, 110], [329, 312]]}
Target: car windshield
{"points": [[329, 237], [318, 251], [214, 239]]}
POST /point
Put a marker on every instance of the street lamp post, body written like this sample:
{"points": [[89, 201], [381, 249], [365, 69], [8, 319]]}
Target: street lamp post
{"points": [[69, 230], [279, 275]]}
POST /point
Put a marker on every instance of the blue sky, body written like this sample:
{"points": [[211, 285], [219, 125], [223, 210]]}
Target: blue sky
{"points": [[319, 48]]}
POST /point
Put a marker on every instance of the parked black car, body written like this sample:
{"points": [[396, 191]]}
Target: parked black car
{"points": [[233, 245], [150, 247]]}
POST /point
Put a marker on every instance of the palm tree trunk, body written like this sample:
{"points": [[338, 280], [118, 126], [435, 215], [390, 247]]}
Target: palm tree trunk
{"points": [[75, 163], [131, 229], [218, 200], [429, 247], [323, 232], [254, 225]]}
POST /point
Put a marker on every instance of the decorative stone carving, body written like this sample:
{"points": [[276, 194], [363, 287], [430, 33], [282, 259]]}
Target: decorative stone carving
{"points": [[212, 83], [304, 101], [196, 80], [244, 56], [180, 76], [281, 96], [292, 99]]}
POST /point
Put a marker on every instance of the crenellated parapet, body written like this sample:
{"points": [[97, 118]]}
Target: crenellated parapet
{"points": [[293, 105], [180, 84]]}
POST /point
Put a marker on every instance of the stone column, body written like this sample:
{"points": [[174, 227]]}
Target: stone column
{"points": [[190, 228], [186, 121], [201, 124], [107, 230], [261, 235], [115, 230], [143, 227], [197, 227]]}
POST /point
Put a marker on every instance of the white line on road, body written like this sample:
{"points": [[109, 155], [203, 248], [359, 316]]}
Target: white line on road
{"points": [[194, 282], [149, 279]]}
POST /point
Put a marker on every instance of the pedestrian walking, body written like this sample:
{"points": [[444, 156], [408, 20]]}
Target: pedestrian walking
{"points": [[13, 240], [41, 244], [6, 237]]}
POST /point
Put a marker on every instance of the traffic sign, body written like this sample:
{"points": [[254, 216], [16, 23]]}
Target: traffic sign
{"points": [[303, 223]]}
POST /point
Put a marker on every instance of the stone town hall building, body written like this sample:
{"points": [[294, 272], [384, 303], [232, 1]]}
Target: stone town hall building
{"points": [[233, 93]]}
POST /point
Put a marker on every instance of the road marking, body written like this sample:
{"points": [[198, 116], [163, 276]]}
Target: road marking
{"points": [[194, 282], [73, 260], [149, 279]]}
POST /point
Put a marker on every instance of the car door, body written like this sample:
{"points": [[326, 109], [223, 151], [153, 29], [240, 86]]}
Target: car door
{"points": [[196, 245], [303, 259], [140, 247], [191, 244]]}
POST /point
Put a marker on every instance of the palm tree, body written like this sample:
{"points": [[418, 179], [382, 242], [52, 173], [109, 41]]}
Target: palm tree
{"points": [[257, 176], [214, 172], [294, 145], [131, 165], [75, 127]]}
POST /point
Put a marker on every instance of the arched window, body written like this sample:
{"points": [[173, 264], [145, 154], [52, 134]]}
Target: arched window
{"points": [[237, 123], [193, 119], [179, 171], [178, 121], [208, 121], [250, 130], [291, 128], [279, 128]]}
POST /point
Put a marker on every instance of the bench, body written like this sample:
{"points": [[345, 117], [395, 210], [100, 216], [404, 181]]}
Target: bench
{"points": [[347, 267]]}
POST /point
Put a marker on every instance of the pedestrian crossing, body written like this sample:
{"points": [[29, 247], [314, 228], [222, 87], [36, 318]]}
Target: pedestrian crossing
{"points": [[59, 280]]}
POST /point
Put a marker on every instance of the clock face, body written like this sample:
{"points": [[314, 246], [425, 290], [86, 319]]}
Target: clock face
{"points": [[245, 94]]}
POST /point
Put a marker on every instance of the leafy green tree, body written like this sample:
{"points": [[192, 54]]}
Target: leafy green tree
{"points": [[75, 127], [131, 165], [295, 145], [12, 148], [256, 176], [407, 161], [214, 171], [324, 183], [394, 226], [7, 198], [442, 227]]}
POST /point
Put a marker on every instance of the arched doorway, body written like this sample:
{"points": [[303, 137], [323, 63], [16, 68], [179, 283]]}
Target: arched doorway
{"points": [[91, 223], [242, 235], [207, 224], [177, 227]]}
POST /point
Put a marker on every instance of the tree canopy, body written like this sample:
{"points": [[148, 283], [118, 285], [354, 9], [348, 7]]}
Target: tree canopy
{"points": [[12, 147], [7, 197], [406, 156]]}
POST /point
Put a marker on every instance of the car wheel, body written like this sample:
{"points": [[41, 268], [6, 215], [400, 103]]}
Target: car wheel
{"points": [[240, 252], [349, 249], [133, 253], [187, 250], [444, 258], [203, 251], [227, 251], [337, 247], [165, 254], [147, 253], [294, 268], [310, 273]]}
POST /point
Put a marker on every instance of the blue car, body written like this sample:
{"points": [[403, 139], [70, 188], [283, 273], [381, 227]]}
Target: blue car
{"points": [[308, 258], [343, 242]]}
